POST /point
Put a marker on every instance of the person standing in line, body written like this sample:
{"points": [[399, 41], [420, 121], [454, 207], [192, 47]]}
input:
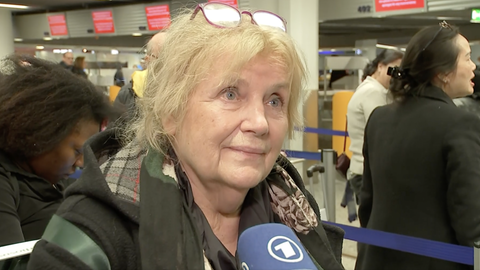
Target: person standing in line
{"points": [[46, 116], [128, 94], [422, 155], [67, 60], [370, 94], [79, 67]]}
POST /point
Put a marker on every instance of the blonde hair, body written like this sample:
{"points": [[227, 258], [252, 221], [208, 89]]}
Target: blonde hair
{"points": [[191, 48]]}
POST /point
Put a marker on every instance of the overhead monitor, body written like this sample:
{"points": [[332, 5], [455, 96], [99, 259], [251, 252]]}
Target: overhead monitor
{"points": [[57, 24], [158, 17], [228, 2], [476, 15], [396, 5], [103, 22]]}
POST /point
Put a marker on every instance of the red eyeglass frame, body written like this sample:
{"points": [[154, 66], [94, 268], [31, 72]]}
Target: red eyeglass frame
{"points": [[202, 5]]}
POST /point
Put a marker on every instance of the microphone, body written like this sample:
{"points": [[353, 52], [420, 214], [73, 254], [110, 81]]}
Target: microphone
{"points": [[272, 246]]}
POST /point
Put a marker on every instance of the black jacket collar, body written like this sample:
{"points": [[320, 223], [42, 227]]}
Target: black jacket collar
{"points": [[434, 92], [41, 187]]}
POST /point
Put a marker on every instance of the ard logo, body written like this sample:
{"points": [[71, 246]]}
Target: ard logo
{"points": [[283, 249]]}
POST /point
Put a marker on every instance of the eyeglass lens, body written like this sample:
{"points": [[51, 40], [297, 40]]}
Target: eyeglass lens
{"points": [[222, 15], [268, 19], [227, 16]]}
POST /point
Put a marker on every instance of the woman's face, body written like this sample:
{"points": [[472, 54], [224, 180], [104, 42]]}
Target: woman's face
{"points": [[232, 134], [61, 162], [459, 82]]}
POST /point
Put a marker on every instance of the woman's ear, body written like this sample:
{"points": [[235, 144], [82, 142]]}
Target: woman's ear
{"points": [[445, 77]]}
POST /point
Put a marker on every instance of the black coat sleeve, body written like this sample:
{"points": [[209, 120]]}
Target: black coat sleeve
{"points": [[462, 152], [10, 227]]}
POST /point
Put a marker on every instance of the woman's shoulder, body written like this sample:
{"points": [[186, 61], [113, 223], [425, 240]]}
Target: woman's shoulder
{"points": [[370, 85]]}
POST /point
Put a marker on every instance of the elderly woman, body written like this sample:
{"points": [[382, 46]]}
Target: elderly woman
{"points": [[205, 164], [46, 115]]}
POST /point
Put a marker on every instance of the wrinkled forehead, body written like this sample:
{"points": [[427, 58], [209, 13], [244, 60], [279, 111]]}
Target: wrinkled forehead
{"points": [[229, 69]]}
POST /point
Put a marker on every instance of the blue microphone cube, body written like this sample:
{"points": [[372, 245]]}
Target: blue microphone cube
{"points": [[272, 246]]}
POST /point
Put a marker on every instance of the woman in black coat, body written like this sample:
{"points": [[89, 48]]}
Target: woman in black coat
{"points": [[422, 154]]}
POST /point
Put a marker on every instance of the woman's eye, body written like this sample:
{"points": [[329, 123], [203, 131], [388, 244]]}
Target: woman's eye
{"points": [[276, 102], [230, 93]]}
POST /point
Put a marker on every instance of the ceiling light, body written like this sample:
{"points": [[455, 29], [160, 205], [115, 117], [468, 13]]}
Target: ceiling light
{"points": [[18, 39], [40, 47], [47, 38], [13, 6], [388, 47], [61, 50], [137, 34], [113, 51]]}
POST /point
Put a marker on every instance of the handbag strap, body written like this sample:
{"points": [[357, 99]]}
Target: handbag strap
{"points": [[345, 135]]}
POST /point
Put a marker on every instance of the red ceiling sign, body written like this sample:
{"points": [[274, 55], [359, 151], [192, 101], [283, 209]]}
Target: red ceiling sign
{"points": [[158, 17], [395, 5], [103, 22], [228, 2], [58, 25]]}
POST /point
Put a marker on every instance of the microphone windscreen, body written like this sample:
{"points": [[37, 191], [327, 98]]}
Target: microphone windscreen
{"points": [[272, 246]]}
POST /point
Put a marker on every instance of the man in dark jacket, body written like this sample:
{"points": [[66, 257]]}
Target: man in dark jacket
{"points": [[67, 60]]}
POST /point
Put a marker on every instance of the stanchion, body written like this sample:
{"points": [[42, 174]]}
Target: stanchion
{"points": [[476, 255], [329, 159]]}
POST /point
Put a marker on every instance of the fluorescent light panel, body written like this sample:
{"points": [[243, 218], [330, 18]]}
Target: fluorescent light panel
{"points": [[13, 6]]}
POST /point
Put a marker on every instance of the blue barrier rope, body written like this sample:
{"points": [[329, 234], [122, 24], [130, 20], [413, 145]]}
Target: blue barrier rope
{"points": [[425, 247], [305, 155], [325, 131]]}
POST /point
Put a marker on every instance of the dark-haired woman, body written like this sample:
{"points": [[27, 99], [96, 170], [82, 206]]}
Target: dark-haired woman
{"points": [[46, 115], [371, 93], [422, 154]]}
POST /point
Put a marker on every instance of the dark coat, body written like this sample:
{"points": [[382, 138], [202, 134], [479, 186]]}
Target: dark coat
{"points": [[421, 178], [105, 204], [125, 105], [63, 64], [27, 202], [79, 72]]}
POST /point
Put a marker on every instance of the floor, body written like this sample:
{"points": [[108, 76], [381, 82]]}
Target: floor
{"points": [[349, 247]]}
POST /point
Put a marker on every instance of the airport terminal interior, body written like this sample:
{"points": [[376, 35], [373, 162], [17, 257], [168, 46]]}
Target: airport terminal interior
{"points": [[106, 42]]}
